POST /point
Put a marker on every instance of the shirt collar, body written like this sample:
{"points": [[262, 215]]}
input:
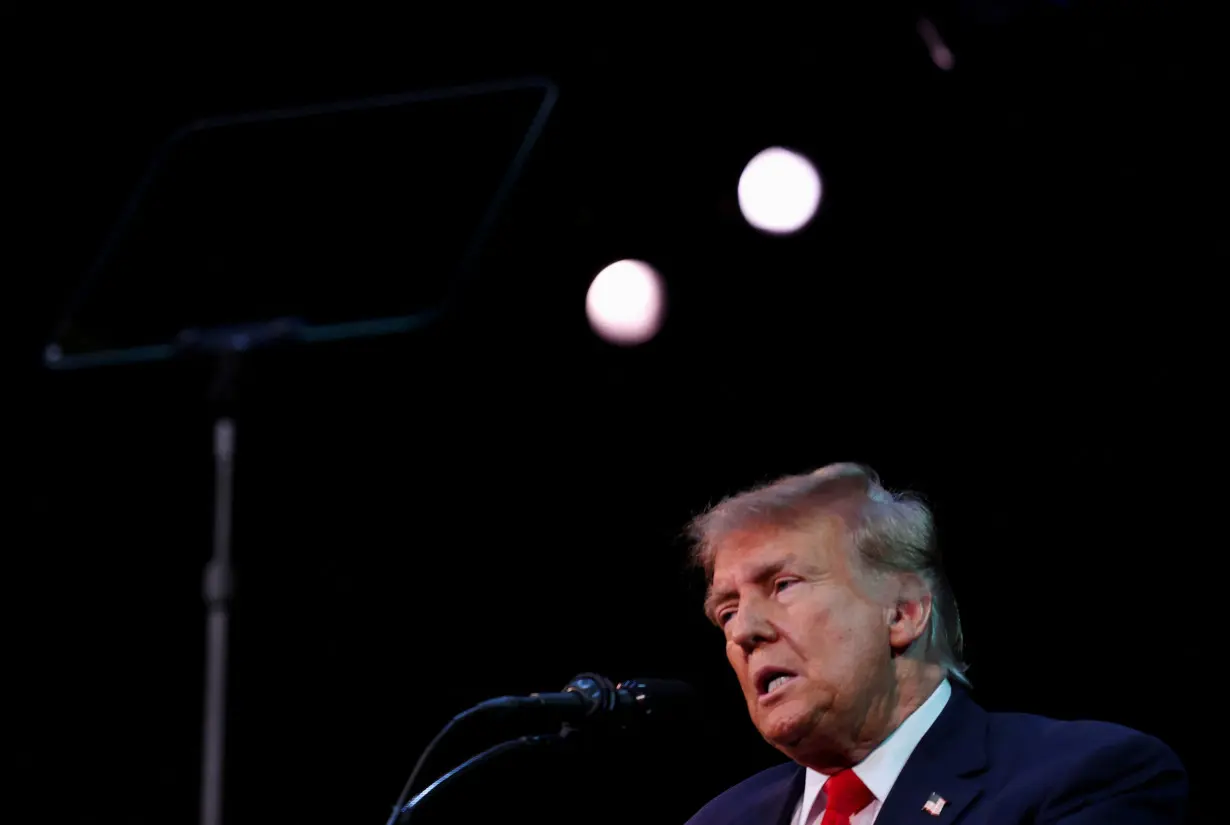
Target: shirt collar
{"points": [[884, 764]]}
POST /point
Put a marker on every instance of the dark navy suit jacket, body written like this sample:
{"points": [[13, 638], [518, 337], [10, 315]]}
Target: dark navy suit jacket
{"points": [[998, 769]]}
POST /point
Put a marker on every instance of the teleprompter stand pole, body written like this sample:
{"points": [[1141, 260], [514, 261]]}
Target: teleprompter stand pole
{"points": [[217, 591], [225, 345]]}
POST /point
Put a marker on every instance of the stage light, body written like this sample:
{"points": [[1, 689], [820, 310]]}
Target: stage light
{"points": [[626, 303], [779, 191], [941, 55]]}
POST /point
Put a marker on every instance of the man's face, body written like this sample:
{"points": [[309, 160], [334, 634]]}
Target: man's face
{"points": [[807, 633]]}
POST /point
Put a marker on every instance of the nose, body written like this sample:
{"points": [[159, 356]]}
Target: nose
{"points": [[750, 626]]}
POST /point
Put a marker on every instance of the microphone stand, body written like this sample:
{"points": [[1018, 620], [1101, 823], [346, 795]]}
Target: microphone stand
{"points": [[402, 816]]}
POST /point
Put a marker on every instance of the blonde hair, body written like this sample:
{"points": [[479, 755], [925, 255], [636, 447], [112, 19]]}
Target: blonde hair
{"points": [[893, 532]]}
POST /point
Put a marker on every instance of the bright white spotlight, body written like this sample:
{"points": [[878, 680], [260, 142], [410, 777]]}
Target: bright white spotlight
{"points": [[626, 303], [779, 191]]}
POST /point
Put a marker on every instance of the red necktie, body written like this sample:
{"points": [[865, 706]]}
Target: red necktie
{"points": [[845, 795]]}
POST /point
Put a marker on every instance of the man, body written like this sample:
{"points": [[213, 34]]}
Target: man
{"points": [[845, 637]]}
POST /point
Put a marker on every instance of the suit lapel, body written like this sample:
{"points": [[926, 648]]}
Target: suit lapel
{"points": [[785, 813], [774, 803], [946, 763]]}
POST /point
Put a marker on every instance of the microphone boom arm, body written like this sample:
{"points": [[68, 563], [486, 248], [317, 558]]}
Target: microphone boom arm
{"points": [[589, 698], [402, 816]]}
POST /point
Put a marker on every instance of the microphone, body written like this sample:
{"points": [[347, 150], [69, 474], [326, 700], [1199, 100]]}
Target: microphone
{"points": [[593, 698]]}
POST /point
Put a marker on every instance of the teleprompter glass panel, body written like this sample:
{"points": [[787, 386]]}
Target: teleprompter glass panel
{"points": [[330, 215]]}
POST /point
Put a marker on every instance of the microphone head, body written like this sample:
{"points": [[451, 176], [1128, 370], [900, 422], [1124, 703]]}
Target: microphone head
{"points": [[659, 695], [602, 703]]}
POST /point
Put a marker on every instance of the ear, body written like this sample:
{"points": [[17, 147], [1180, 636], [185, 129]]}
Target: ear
{"points": [[910, 615]]}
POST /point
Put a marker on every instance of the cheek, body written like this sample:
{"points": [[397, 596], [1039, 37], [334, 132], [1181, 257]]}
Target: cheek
{"points": [[818, 623], [861, 642], [734, 655], [836, 633]]}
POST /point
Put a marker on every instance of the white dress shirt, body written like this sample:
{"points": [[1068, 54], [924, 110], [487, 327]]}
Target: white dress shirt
{"points": [[881, 767]]}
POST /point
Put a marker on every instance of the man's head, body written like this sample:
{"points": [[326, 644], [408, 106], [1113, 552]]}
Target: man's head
{"points": [[838, 618]]}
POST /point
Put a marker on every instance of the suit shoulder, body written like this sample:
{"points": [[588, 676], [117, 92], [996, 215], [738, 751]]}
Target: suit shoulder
{"points": [[1083, 762], [1030, 735], [1082, 771], [770, 785]]}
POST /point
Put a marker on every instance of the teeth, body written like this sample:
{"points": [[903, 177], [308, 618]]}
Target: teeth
{"points": [[776, 682]]}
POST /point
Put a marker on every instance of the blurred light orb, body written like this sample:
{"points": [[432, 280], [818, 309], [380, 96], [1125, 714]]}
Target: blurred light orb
{"points": [[779, 191], [941, 55], [626, 303]]}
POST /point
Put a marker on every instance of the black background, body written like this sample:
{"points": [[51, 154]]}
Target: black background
{"points": [[1006, 303]]}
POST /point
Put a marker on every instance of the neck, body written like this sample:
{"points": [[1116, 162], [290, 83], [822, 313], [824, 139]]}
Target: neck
{"points": [[880, 716]]}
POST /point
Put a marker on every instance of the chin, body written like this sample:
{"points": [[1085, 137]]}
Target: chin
{"points": [[784, 727]]}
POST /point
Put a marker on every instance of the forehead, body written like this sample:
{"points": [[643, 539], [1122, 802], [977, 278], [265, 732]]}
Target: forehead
{"points": [[823, 542]]}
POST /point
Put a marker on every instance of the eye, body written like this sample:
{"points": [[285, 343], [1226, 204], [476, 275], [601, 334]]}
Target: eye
{"points": [[782, 584], [724, 617]]}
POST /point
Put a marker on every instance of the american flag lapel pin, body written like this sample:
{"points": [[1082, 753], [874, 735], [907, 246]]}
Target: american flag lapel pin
{"points": [[934, 804]]}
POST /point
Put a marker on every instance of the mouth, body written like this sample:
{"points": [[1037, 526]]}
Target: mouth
{"points": [[771, 681]]}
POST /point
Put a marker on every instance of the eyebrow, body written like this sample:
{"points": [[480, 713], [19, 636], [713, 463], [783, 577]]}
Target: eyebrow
{"points": [[760, 573]]}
